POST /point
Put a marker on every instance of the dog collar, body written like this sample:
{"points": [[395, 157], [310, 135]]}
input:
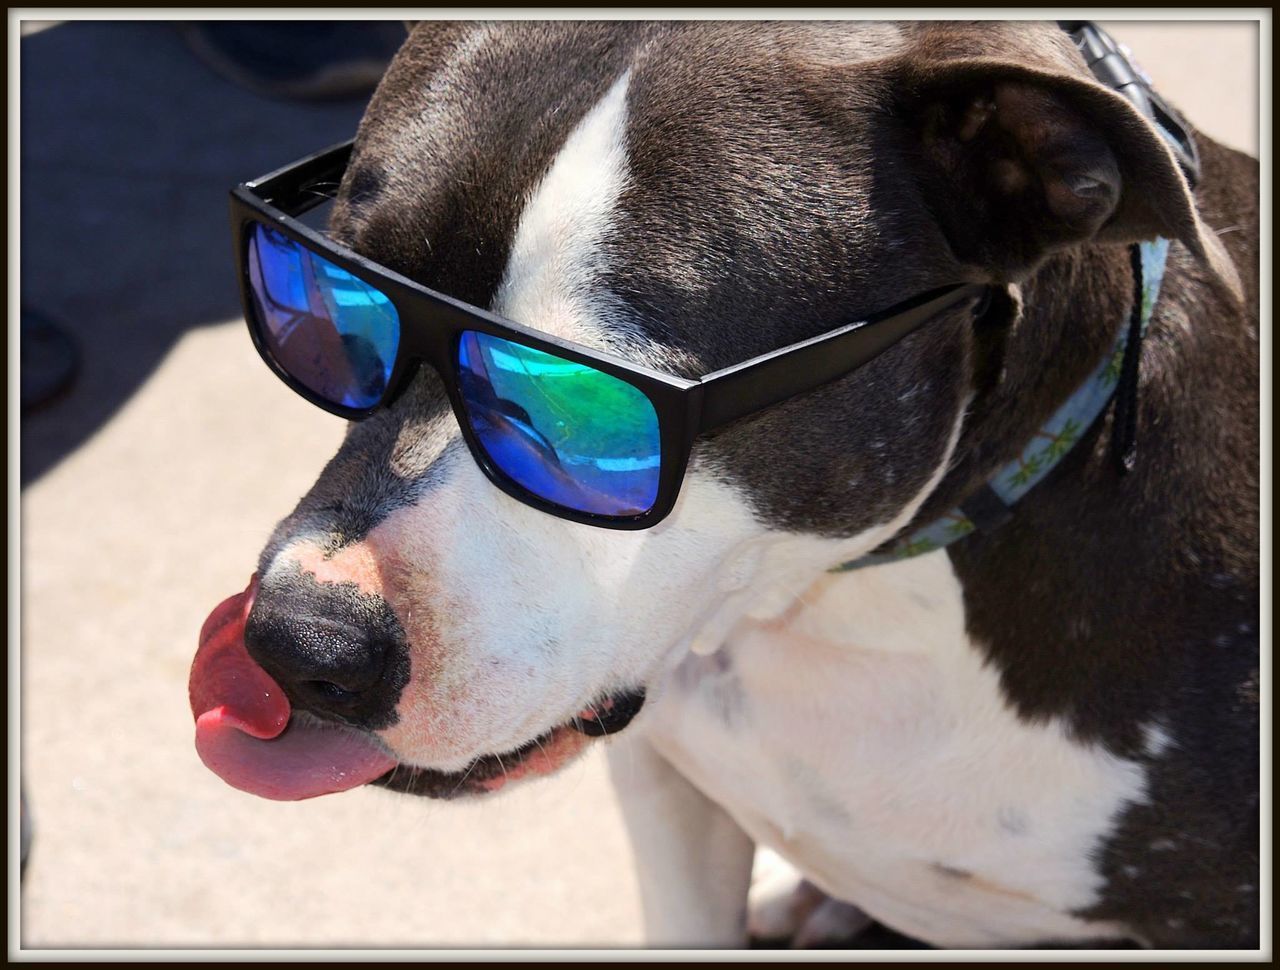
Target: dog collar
{"points": [[991, 505]]}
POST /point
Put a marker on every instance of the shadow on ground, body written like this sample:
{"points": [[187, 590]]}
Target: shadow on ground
{"points": [[128, 147]]}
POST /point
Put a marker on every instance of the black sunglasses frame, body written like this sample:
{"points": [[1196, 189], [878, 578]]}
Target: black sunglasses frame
{"points": [[431, 324]]}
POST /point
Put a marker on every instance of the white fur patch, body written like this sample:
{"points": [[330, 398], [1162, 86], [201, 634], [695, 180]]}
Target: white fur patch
{"points": [[549, 283], [871, 746], [1156, 740]]}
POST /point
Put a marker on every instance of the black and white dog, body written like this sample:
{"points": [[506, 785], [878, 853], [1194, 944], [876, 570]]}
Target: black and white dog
{"points": [[1045, 733]]}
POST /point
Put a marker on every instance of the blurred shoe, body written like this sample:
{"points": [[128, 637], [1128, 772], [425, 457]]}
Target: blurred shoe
{"points": [[49, 360], [302, 59]]}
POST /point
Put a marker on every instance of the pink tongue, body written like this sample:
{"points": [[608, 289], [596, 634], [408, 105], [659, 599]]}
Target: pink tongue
{"points": [[243, 733]]}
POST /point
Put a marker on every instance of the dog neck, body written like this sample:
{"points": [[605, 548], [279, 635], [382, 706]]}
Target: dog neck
{"points": [[1072, 312]]}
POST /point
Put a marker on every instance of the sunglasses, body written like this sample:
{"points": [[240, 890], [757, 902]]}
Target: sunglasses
{"points": [[562, 427]]}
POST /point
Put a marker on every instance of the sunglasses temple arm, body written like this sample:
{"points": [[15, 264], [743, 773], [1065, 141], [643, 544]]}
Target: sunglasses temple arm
{"points": [[306, 184], [769, 379]]}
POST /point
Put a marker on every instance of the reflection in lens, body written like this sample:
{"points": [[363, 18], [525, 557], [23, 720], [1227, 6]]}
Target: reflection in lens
{"points": [[328, 329], [564, 431]]}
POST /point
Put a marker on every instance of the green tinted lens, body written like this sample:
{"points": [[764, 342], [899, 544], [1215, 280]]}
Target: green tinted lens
{"points": [[566, 432]]}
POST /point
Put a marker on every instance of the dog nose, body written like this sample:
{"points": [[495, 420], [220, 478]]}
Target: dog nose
{"points": [[326, 664], [332, 654], [334, 646]]}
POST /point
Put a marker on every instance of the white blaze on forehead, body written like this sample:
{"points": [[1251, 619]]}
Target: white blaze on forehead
{"points": [[555, 256]]}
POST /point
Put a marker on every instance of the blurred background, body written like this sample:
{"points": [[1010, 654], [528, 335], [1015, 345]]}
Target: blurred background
{"points": [[156, 454]]}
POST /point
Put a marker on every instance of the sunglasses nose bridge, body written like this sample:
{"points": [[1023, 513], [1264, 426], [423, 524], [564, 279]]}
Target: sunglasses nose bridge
{"points": [[411, 365], [438, 358], [426, 337], [438, 355]]}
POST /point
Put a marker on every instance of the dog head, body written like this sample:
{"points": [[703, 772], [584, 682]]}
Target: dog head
{"points": [[685, 196]]}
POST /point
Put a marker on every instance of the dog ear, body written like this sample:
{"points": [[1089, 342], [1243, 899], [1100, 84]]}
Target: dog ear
{"points": [[1022, 162]]}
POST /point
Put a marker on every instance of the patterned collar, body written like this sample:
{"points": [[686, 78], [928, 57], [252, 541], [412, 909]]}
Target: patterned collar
{"points": [[991, 505]]}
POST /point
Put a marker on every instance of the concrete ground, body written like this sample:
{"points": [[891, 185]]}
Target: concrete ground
{"points": [[147, 492]]}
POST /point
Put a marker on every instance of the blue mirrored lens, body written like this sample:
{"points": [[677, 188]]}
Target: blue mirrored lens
{"points": [[328, 330], [564, 431]]}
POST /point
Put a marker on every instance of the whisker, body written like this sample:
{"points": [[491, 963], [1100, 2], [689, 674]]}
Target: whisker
{"points": [[604, 730], [465, 775], [327, 190], [540, 747], [392, 778]]}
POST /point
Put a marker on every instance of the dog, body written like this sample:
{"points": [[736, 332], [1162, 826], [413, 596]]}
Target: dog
{"points": [[1044, 733]]}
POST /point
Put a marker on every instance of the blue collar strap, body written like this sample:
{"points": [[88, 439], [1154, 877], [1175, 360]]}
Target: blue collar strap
{"points": [[991, 506]]}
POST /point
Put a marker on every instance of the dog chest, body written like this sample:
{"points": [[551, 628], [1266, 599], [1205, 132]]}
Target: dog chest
{"points": [[863, 739]]}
